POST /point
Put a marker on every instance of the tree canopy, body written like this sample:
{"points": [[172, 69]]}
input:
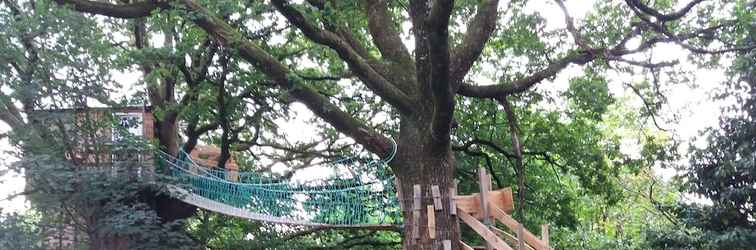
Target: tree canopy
{"points": [[457, 84]]}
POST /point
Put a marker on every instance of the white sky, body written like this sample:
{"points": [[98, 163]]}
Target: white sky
{"points": [[692, 104]]}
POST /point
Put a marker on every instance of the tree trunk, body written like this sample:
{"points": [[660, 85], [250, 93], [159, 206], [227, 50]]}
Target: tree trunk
{"points": [[417, 163], [167, 207], [110, 242], [167, 133]]}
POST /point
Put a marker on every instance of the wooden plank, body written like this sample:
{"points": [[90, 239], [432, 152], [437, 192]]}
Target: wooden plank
{"points": [[484, 182], [452, 202], [545, 234], [447, 244], [431, 222], [416, 212], [398, 186], [509, 238], [436, 198], [520, 232], [416, 224], [483, 231], [418, 192], [465, 246], [471, 203], [484, 188], [513, 225]]}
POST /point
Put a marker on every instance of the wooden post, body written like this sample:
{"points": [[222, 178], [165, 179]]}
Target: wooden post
{"points": [[416, 212], [398, 186], [484, 181], [492, 240], [520, 233], [545, 234], [431, 222], [447, 244], [452, 202], [453, 205], [436, 198]]}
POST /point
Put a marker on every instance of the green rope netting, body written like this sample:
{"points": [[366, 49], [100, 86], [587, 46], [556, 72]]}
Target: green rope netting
{"points": [[363, 195]]}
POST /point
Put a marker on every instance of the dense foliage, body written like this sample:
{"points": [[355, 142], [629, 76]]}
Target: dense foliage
{"points": [[721, 176], [543, 103]]}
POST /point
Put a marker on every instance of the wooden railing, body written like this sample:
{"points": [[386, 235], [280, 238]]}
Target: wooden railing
{"points": [[471, 209]]}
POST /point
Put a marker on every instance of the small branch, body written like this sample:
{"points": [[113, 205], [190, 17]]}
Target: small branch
{"points": [[571, 25], [325, 77], [645, 64], [660, 16], [27, 192], [514, 134], [648, 105]]}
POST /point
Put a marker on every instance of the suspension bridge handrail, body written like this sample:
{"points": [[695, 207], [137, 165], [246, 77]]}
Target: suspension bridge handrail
{"points": [[359, 199]]}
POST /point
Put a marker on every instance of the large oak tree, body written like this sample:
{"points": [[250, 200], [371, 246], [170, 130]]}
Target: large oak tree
{"points": [[421, 71]]}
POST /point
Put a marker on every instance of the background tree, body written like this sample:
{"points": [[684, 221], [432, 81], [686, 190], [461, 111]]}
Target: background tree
{"points": [[20, 231], [56, 59], [722, 173]]}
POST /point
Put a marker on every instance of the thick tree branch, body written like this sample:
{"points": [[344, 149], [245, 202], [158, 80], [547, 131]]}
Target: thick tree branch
{"points": [[514, 132], [10, 114], [130, 10], [443, 96], [581, 56], [490, 144], [384, 34], [418, 12], [642, 12], [286, 80], [660, 16], [479, 30], [222, 117], [397, 65], [523, 84], [586, 54], [276, 71], [193, 132], [359, 65]]}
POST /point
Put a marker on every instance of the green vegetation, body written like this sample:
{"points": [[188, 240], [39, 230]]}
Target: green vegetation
{"points": [[569, 109]]}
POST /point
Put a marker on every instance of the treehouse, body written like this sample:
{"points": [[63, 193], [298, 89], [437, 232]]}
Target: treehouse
{"points": [[111, 137]]}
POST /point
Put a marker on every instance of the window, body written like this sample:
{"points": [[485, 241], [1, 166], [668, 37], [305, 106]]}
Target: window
{"points": [[128, 124]]}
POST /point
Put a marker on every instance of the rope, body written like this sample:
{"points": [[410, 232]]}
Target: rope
{"points": [[367, 197]]}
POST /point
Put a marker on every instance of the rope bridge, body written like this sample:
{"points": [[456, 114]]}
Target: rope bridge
{"points": [[365, 195]]}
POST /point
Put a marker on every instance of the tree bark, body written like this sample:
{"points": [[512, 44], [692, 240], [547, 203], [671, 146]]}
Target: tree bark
{"points": [[418, 163], [109, 242]]}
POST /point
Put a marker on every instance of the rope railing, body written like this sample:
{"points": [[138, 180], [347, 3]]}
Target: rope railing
{"points": [[365, 198]]}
